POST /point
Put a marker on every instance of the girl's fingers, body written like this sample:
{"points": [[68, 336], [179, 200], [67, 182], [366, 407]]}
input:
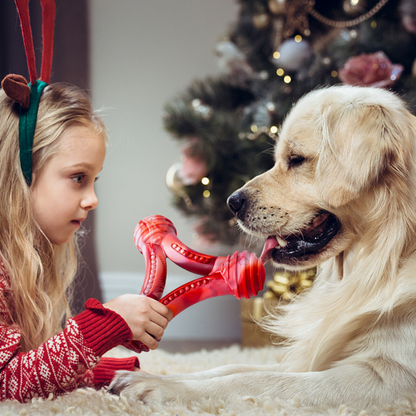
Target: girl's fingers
{"points": [[158, 319], [162, 310], [148, 340], [155, 330]]}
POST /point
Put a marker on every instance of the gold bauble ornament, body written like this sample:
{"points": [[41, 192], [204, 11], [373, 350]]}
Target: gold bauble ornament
{"points": [[277, 7], [173, 181], [175, 184], [261, 21]]}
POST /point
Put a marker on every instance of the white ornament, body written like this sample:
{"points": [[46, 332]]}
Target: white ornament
{"points": [[293, 54], [231, 60]]}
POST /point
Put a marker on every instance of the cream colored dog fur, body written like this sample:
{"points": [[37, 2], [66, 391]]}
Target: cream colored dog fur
{"points": [[342, 195]]}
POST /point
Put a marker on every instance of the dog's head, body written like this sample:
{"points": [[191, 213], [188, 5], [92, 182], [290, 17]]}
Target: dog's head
{"points": [[338, 150]]}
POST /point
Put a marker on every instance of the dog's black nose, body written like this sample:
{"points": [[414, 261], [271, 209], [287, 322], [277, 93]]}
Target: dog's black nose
{"points": [[235, 201]]}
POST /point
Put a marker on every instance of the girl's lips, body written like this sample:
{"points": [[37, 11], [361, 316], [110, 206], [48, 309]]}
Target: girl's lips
{"points": [[78, 222]]}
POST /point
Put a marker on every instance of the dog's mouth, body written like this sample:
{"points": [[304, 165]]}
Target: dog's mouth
{"points": [[306, 242]]}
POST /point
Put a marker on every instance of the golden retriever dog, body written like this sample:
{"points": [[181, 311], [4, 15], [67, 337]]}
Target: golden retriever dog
{"points": [[341, 195]]}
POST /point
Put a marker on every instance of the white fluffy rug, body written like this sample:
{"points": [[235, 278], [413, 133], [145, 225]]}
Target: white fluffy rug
{"points": [[88, 402]]}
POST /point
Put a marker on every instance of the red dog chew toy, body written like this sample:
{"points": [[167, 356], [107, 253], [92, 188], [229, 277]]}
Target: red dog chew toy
{"points": [[241, 274]]}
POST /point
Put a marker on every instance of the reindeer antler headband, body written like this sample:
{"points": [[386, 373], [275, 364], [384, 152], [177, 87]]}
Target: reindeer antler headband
{"points": [[28, 95]]}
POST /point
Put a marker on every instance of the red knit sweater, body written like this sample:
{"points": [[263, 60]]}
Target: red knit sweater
{"points": [[66, 361]]}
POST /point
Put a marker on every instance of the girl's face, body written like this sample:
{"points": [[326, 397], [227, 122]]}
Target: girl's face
{"points": [[63, 191]]}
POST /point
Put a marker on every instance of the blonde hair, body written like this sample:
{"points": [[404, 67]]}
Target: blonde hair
{"points": [[40, 272]]}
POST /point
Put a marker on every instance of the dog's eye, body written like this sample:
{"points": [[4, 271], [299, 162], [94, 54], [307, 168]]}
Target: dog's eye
{"points": [[295, 160]]}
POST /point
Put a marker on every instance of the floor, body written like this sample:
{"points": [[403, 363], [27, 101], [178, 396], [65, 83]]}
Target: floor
{"points": [[186, 346]]}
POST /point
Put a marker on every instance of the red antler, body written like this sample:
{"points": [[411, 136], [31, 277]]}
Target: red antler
{"points": [[23, 9], [48, 23]]}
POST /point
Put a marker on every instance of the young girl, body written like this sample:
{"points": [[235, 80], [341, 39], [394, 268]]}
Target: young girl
{"points": [[38, 257]]}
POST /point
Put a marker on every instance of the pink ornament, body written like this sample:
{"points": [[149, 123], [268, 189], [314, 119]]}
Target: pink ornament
{"points": [[371, 70], [241, 274], [192, 170], [193, 167]]}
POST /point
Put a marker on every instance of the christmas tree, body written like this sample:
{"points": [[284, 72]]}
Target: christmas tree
{"points": [[277, 51]]}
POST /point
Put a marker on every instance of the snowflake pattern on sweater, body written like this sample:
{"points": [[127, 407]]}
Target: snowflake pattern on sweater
{"points": [[65, 361]]}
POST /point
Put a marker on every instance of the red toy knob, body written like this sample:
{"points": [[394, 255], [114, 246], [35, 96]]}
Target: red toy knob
{"points": [[152, 230], [148, 237]]}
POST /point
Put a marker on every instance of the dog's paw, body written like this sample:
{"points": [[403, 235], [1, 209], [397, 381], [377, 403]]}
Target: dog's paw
{"points": [[146, 387]]}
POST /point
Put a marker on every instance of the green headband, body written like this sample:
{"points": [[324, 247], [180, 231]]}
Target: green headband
{"points": [[28, 95], [27, 125]]}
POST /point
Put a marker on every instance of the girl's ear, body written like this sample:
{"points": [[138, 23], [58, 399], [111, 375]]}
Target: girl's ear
{"points": [[359, 144]]}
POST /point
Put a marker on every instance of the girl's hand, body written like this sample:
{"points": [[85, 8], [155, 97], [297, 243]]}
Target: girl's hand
{"points": [[146, 317]]}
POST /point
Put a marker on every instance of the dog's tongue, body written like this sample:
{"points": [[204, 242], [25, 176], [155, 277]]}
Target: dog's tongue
{"points": [[269, 245]]}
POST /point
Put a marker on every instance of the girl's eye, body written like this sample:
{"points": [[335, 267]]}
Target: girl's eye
{"points": [[78, 179]]}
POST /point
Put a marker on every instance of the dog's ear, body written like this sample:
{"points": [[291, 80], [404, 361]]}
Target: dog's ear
{"points": [[359, 143]]}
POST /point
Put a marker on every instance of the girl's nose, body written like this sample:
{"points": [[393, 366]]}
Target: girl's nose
{"points": [[90, 201]]}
